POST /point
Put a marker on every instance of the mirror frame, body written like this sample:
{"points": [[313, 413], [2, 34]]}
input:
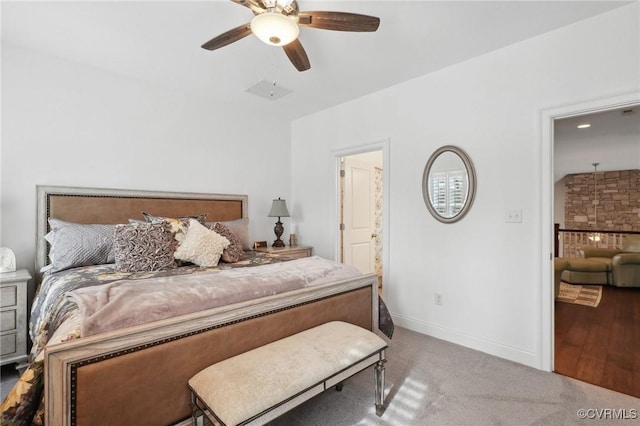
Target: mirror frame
{"points": [[471, 176]]}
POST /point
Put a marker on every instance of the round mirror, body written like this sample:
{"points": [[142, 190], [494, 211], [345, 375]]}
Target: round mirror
{"points": [[448, 184]]}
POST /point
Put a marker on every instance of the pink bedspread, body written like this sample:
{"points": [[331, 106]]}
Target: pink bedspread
{"points": [[126, 303]]}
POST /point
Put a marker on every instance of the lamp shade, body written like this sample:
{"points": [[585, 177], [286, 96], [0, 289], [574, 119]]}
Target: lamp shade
{"points": [[279, 209], [275, 28]]}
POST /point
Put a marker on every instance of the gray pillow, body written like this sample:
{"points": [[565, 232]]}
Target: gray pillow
{"points": [[144, 247], [75, 244]]}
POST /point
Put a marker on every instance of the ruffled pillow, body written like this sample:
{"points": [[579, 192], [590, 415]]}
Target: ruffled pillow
{"points": [[234, 251], [177, 225], [240, 227], [201, 246], [144, 247]]}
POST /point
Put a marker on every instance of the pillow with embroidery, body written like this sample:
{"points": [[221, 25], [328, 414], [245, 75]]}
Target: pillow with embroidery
{"points": [[75, 244]]}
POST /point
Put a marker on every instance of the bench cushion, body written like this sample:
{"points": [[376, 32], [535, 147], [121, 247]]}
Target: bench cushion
{"points": [[238, 388]]}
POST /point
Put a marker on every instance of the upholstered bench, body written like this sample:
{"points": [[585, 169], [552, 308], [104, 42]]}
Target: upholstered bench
{"points": [[259, 385], [586, 271]]}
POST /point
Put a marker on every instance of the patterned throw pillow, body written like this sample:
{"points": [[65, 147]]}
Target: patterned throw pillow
{"points": [[75, 244], [234, 251], [201, 245], [155, 219], [240, 227], [144, 247], [178, 225]]}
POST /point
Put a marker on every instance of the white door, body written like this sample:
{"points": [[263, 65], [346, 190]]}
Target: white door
{"points": [[359, 215]]}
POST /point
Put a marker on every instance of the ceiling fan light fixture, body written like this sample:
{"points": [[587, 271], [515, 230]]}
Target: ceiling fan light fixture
{"points": [[275, 28]]}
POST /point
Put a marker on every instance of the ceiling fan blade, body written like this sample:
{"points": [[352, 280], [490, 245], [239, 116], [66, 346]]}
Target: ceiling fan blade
{"points": [[254, 5], [297, 55], [339, 21], [228, 37]]}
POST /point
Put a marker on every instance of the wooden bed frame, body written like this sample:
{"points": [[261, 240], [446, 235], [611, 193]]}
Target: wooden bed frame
{"points": [[139, 375]]}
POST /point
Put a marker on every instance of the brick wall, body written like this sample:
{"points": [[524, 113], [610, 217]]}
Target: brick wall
{"points": [[618, 201]]}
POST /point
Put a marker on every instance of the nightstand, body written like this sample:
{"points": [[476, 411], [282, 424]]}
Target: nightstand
{"points": [[293, 252], [13, 317]]}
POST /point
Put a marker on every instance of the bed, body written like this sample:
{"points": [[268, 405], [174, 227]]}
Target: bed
{"points": [[137, 373]]}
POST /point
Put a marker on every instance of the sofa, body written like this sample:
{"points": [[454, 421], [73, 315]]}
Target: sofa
{"points": [[617, 267]]}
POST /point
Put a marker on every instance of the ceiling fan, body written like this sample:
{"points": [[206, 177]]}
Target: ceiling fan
{"points": [[277, 22]]}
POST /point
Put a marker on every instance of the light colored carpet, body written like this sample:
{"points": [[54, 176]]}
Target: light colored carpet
{"points": [[587, 295], [432, 382]]}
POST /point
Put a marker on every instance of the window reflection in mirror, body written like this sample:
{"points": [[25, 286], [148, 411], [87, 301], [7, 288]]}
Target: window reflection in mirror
{"points": [[448, 184]]}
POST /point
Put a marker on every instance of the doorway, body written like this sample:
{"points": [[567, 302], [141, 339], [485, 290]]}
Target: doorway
{"points": [[361, 211], [550, 201]]}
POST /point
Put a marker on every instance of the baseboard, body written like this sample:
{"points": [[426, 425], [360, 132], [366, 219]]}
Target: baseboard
{"points": [[518, 355]]}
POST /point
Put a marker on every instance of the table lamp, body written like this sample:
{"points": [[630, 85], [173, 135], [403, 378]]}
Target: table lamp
{"points": [[278, 209]]}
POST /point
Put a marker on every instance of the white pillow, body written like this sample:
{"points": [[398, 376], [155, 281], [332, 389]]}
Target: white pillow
{"points": [[201, 245]]}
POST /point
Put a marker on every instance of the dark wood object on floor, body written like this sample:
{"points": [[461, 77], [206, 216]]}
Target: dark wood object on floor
{"points": [[601, 345]]}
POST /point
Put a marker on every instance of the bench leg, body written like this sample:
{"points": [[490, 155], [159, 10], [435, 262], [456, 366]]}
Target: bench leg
{"points": [[379, 377], [197, 417]]}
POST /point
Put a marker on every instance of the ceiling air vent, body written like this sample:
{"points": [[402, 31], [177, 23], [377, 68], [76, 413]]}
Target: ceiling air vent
{"points": [[269, 90]]}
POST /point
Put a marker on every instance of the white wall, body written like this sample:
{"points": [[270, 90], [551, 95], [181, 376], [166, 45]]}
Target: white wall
{"points": [[488, 271], [69, 124]]}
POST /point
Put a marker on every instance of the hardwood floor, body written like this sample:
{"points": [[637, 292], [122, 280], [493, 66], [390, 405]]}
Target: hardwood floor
{"points": [[601, 345]]}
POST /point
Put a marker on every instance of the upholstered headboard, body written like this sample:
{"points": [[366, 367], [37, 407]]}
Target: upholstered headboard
{"points": [[110, 206]]}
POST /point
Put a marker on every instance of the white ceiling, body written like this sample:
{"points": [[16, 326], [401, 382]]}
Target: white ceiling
{"points": [[612, 141], [159, 42]]}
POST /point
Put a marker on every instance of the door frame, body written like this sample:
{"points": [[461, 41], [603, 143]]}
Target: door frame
{"points": [[548, 116], [382, 145]]}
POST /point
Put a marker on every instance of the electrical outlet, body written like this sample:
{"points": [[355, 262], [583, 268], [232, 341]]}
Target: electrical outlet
{"points": [[514, 215], [438, 299]]}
